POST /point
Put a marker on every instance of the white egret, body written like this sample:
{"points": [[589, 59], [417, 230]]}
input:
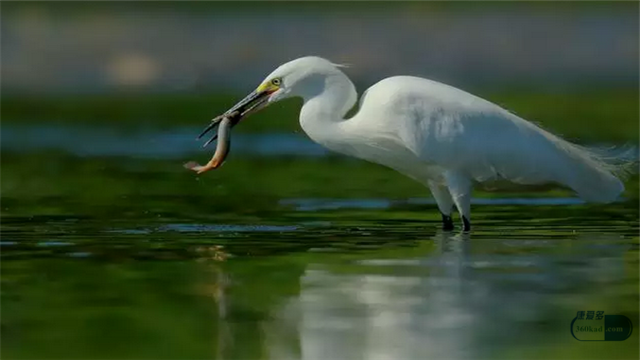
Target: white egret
{"points": [[443, 137]]}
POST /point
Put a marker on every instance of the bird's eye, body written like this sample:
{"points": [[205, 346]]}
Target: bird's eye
{"points": [[276, 82]]}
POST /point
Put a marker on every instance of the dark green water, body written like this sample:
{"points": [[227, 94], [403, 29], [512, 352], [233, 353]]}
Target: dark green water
{"points": [[110, 249]]}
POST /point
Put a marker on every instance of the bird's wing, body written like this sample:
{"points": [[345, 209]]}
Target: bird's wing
{"points": [[456, 130]]}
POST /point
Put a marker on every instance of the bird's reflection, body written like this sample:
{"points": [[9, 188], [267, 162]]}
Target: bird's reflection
{"points": [[414, 310], [450, 299]]}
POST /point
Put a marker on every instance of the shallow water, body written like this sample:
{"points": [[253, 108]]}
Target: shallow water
{"points": [[106, 254], [315, 287]]}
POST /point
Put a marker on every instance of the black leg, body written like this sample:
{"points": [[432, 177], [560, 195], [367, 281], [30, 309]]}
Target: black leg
{"points": [[447, 222], [466, 224]]}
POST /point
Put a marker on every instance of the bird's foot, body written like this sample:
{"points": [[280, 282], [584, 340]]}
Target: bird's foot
{"points": [[447, 223]]}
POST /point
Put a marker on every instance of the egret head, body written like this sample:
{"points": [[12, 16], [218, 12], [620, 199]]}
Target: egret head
{"points": [[304, 77]]}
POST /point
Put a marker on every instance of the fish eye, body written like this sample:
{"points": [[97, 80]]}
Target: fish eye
{"points": [[276, 82]]}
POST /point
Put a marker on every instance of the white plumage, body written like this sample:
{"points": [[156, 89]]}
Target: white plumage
{"points": [[441, 136]]}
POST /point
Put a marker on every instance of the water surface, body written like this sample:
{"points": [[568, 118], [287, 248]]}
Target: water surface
{"points": [[118, 252]]}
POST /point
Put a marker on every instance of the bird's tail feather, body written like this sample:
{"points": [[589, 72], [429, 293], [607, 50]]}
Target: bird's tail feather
{"points": [[597, 174]]}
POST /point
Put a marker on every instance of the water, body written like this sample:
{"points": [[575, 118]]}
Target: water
{"points": [[287, 254], [339, 288]]}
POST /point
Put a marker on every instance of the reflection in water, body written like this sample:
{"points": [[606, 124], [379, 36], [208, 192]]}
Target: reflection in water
{"points": [[462, 298], [386, 316], [342, 290]]}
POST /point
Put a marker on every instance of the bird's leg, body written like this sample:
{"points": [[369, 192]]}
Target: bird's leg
{"points": [[447, 222], [445, 204], [466, 224], [460, 188], [463, 203]]}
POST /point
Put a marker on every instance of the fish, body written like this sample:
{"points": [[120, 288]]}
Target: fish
{"points": [[224, 123]]}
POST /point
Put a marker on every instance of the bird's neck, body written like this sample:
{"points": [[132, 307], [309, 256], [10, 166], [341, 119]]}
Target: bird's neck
{"points": [[322, 115]]}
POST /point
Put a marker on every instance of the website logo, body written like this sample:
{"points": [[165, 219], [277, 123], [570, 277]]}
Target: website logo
{"points": [[596, 326]]}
